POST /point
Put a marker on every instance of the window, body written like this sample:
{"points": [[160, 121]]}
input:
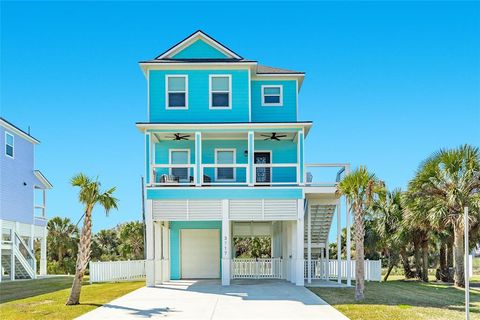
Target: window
{"points": [[220, 92], [180, 157], [272, 95], [9, 144], [177, 92], [225, 156]]}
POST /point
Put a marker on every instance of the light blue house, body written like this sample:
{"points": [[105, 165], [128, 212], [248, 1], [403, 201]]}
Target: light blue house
{"points": [[225, 159], [22, 205]]}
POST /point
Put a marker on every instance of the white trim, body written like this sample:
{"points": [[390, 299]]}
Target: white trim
{"points": [[234, 162], [42, 179], [167, 77], [148, 95], [210, 91], [188, 162], [265, 104], [18, 132], [12, 145], [255, 170], [296, 97], [194, 37]]}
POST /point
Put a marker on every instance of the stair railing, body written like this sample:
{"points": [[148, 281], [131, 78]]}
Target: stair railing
{"points": [[25, 251]]}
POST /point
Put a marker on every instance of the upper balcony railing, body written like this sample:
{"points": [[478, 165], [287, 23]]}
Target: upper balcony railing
{"points": [[238, 174]]}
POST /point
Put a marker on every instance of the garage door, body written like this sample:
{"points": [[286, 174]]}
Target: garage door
{"points": [[200, 253]]}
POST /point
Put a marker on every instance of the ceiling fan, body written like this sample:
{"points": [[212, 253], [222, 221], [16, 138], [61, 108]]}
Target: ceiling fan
{"points": [[274, 136], [178, 136]]}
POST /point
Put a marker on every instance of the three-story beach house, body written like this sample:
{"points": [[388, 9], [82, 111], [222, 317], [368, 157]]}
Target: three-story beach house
{"points": [[22, 205], [224, 160]]}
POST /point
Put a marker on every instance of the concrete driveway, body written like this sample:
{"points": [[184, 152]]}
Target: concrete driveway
{"points": [[207, 299]]}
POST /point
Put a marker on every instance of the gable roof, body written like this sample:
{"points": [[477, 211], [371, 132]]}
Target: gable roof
{"points": [[13, 128], [272, 70], [199, 35]]}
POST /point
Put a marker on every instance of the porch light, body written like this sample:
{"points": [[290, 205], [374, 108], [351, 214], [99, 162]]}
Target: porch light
{"points": [[245, 153]]}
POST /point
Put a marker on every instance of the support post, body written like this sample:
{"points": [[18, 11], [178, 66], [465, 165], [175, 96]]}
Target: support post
{"points": [[300, 158], [43, 253], [198, 174], [150, 245], [467, 263], [226, 248], [12, 255], [309, 246], [339, 241], [349, 249], [300, 245], [251, 151], [157, 228], [327, 265], [148, 160]]}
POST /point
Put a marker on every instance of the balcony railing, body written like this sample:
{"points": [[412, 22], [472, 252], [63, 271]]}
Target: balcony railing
{"points": [[238, 174]]}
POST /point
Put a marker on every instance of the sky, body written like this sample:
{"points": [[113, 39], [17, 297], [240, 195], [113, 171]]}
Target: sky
{"points": [[387, 83]]}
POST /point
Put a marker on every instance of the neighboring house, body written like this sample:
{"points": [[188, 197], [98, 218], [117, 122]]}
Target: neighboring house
{"points": [[225, 159], [22, 205]]}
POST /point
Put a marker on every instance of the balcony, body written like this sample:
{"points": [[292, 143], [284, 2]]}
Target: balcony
{"points": [[249, 158]]}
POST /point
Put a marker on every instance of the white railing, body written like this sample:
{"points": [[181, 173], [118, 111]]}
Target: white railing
{"points": [[273, 176], [257, 268], [157, 170], [373, 269], [324, 174], [110, 271], [240, 177]]}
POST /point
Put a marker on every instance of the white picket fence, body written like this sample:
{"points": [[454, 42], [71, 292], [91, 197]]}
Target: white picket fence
{"points": [[257, 268], [373, 269], [117, 270]]}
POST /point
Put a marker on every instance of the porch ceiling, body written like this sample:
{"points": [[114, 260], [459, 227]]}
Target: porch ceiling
{"points": [[260, 135]]}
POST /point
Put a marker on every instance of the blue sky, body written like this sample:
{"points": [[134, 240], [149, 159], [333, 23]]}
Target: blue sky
{"points": [[386, 83]]}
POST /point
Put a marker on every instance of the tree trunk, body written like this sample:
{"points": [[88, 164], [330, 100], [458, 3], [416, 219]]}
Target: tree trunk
{"points": [[407, 271], [459, 278], [390, 267], [83, 257], [418, 259], [425, 259], [359, 256], [450, 252]]}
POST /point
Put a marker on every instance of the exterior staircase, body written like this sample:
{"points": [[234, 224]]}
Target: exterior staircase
{"points": [[321, 216], [17, 259]]}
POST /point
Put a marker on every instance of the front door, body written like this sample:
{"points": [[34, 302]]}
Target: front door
{"points": [[263, 175]]}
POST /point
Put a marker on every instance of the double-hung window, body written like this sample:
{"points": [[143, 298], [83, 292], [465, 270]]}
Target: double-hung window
{"points": [[272, 95], [177, 91], [180, 156], [9, 145], [220, 92], [225, 156]]}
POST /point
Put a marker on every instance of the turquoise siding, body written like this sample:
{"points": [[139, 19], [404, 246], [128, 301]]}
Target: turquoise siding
{"points": [[198, 97], [282, 152], [175, 227], [200, 50], [225, 193], [287, 112]]}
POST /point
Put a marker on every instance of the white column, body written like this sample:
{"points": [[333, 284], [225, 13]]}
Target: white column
{"points": [[198, 175], [309, 246], [150, 245], [327, 263], [43, 253], [349, 258], [166, 252], [32, 237], [251, 151], [322, 262], [226, 248], [300, 246], [339, 241], [12, 254], [293, 252], [157, 228]]}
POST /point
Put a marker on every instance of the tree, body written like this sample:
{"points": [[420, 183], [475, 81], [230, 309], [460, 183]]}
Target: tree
{"points": [[107, 241], [89, 195], [447, 182], [360, 187], [61, 234], [131, 239]]}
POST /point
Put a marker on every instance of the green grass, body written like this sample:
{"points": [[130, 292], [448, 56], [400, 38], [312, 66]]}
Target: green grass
{"points": [[398, 299], [45, 298]]}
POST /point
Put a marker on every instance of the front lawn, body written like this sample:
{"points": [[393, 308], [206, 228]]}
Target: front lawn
{"points": [[398, 299], [42, 298]]}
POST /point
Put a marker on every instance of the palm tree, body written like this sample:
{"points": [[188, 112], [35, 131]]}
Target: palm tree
{"points": [[60, 234], [131, 239], [449, 181], [360, 188], [89, 195], [107, 240]]}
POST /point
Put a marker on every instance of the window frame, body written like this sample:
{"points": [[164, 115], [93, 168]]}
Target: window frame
{"points": [[170, 170], [12, 145], [210, 92], [234, 179], [266, 104], [167, 77]]}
